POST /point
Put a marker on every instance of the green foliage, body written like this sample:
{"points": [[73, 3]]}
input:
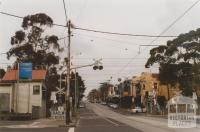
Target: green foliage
{"points": [[2, 73], [40, 18], [30, 44], [178, 61], [80, 86]]}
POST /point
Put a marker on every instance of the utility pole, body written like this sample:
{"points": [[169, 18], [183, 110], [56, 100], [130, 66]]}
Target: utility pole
{"points": [[75, 93], [67, 98]]}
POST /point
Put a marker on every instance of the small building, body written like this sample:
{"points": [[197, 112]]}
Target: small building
{"points": [[182, 112], [24, 96]]}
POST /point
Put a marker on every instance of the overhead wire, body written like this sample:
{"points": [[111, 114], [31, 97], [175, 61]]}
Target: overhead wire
{"points": [[121, 34], [65, 10], [164, 31], [98, 31]]}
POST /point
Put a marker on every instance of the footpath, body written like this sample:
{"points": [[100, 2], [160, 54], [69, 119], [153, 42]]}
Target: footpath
{"points": [[39, 123]]}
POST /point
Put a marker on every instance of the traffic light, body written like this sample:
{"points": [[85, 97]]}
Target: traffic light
{"points": [[97, 67], [100, 67]]}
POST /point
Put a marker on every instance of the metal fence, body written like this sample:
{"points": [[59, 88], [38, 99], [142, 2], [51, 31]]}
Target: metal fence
{"points": [[58, 115]]}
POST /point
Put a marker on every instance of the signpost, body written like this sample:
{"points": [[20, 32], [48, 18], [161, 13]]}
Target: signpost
{"points": [[24, 73]]}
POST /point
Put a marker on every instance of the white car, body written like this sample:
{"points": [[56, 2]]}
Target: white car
{"points": [[137, 110], [82, 105], [103, 103], [115, 106]]}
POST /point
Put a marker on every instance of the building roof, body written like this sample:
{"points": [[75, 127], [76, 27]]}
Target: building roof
{"points": [[12, 75], [181, 100]]}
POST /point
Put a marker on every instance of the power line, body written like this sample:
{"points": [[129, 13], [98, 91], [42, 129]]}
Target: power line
{"points": [[16, 16], [98, 31], [8, 14], [122, 34], [3, 53], [164, 31], [65, 9], [176, 20]]}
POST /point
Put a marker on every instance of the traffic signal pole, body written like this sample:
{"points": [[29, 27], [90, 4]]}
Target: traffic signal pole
{"points": [[67, 95]]}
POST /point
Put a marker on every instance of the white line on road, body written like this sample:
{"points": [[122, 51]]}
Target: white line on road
{"points": [[111, 122], [71, 129], [34, 123]]}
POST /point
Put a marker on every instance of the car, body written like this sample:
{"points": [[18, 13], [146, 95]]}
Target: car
{"points": [[103, 103], [115, 106], [82, 105], [137, 110]]}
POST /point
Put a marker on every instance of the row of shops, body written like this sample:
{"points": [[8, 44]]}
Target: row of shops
{"points": [[143, 91]]}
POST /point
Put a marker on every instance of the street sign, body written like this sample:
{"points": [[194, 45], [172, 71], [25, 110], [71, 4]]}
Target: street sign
{"points": [[60, 90], [25, 71], [53, 96]]}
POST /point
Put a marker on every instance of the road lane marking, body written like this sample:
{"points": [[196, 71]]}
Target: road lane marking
{"points": [[34, 123], [111, 122], [71, 129]]}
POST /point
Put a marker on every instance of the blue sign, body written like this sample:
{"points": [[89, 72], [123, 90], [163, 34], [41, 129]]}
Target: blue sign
{"points": [[25, 71]]}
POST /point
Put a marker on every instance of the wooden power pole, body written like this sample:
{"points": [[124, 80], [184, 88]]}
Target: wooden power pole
{"points": [[67, 96]]}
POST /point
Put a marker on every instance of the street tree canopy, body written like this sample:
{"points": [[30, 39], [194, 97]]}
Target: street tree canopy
{"points": [[179, 61], [32, 45]]}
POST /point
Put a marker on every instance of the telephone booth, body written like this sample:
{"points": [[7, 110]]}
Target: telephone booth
{"points": [[181, 112]]}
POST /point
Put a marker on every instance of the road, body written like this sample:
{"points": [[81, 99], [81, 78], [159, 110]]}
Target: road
{"points": [[98, 118], [91, 122]]}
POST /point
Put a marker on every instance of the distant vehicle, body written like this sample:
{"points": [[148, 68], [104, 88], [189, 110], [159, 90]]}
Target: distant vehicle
{"points": [[103, 103], [138, 110], [115, 106], [82, 105]]}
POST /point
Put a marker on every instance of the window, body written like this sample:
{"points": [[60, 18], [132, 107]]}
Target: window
{"points": [[172, 108], [155, 85], [181, 108], [36, 89]]}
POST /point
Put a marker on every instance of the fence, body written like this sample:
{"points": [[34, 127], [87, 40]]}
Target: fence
{"points": [[58, 115]]}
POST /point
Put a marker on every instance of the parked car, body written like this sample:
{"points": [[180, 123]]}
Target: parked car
{"points": [[103, 103], [115, 106], [137, 110], [82, 105]]}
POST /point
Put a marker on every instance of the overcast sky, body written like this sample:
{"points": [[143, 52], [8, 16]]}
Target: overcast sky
{"points": [[119, 53]]}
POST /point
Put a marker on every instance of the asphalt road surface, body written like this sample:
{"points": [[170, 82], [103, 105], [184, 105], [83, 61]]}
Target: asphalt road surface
{"points": [[91, 122], [100, 118]]}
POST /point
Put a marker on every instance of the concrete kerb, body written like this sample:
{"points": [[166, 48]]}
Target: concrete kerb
{"points": [[74, 122]]}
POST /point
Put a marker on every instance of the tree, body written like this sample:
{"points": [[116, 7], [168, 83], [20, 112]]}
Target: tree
{"points": [[2, 73], [31, 44], [178, 61], [103, 89], [93, 95], [80, 87]]}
